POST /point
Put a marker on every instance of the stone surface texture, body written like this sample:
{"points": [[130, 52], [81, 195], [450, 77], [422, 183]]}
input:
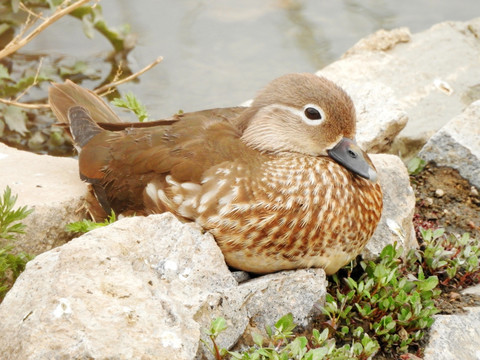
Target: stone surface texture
{"points": [[142, 288], [430, 77], [457, 144], [455, 337], [51, 186], [398, 207]]}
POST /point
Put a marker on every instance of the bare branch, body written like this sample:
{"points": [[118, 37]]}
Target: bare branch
{"points": [[30, 12], [18, 43], [24, 105], [35, 81], [106, 87]]}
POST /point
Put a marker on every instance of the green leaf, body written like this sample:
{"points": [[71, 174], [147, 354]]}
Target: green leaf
{"points": [[218, 325], [415, 166], [118, 39], [4, 72], [130, 102], [257, 339], [54, 3], [16, 119], [297, 346], [22, 85], [426, 234], [9, 217], [427, 284], [285, 324], [316, 354], [438, 232], [85, 225]]}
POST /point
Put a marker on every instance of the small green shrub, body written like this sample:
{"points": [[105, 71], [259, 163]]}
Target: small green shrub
{"points": [[9, 218], [280, 343], [11, 264], [131, 103], [389, 303], [85, 225], [454, 259], [416, 165]]}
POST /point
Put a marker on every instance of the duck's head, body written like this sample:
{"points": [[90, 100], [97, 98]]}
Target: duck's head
{"points": [[306, 114]]}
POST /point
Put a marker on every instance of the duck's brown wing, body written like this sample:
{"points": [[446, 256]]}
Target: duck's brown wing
{"points": [[119, 159], [120, 164]]}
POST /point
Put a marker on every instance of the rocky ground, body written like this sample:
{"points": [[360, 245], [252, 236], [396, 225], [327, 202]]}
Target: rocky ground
{"points": [[445, 199]]}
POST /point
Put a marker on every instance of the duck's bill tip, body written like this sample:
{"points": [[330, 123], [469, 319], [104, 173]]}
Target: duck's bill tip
{"points": [[353, 158]]}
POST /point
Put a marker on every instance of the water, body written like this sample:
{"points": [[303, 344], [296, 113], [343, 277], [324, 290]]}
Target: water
{"points": [[220, 52]]}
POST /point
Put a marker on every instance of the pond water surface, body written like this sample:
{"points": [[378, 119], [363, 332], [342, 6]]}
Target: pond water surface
{"points": [[220, 52]]}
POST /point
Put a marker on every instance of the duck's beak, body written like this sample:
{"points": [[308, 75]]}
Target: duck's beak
{"points": [[349, 155]]}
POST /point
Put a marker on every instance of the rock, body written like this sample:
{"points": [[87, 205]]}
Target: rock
{"points": [[398, 207], [52, 187], [473, 290], [455, 337], [143, 287], [457, 145], [262, 301], [428, 76]]}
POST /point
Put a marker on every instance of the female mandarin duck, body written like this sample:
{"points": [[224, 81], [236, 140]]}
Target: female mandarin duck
{"points": [[280, 185]]}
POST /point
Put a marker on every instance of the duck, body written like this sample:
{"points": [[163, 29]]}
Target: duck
{"points": [[280, 184]]}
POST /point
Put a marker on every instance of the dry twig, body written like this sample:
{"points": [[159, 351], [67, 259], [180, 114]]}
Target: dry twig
{"points": [[105, 88], [24, 105], [20, 41]]}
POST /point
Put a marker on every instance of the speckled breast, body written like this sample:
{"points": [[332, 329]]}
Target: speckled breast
{"points": [[290, 212]]}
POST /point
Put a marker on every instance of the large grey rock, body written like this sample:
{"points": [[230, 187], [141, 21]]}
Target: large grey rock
{"points": [[51, 186], [457, 144], [431, 76], [142, 288], [455, 337], [398, 207]]}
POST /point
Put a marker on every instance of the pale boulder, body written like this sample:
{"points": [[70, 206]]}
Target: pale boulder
{"points": [[49, 185], [429, 77], [398, 207], [142, 288], [457, 145]]}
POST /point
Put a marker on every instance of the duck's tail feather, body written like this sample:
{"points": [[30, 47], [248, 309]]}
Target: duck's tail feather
{"points": [[64, 96]]}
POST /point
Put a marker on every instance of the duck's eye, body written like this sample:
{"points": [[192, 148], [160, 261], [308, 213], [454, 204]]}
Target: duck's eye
{"points": [[312, 113]]}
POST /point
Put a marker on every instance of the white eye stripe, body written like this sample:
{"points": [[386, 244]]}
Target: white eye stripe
{"points": [[301, 113]]}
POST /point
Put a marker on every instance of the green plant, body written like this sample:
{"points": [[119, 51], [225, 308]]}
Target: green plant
{"points": [[454, 259], [130, 102], [88, 225], [395, 306], [280, 343], [11, 264], [9, 218], [415, 166]]}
